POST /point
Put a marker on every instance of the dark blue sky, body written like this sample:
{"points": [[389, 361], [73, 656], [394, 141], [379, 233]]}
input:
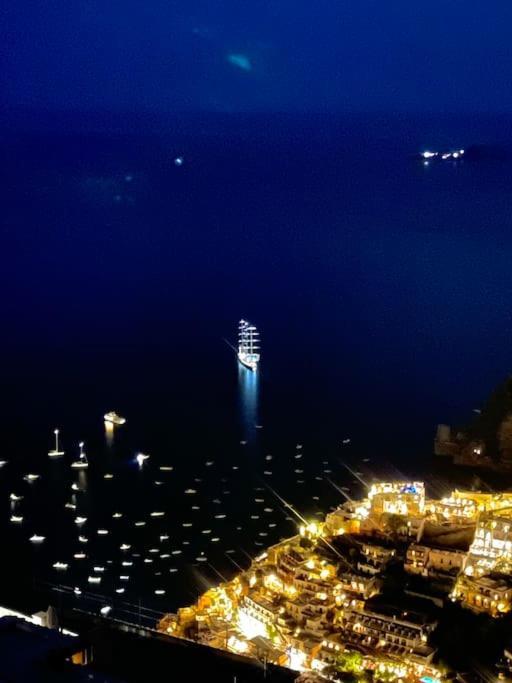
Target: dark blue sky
{"points": [[234, 55]]}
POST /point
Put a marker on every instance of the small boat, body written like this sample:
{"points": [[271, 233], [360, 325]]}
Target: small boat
{"points": [[102, 532], [83, 539], [124, 577], [79, 556], [3, 462], [140, 523], [141, 458], [125, 546], [81, 463], [108, 475], [77, 591], [16, 519], [15, 498], [157, 514], [117, 515], [114, 418], [62, 566], [31, 477], [36, 539], [56, 452], [105, 610], [94, 579], [119, 590], [80, 520], [159, 591], [166, 468]]}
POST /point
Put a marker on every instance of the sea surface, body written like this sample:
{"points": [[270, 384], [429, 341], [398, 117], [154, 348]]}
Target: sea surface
{"points": [[382, 289]]}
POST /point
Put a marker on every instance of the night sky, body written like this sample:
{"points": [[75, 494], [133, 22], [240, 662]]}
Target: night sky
{"points": [[234, 55]]}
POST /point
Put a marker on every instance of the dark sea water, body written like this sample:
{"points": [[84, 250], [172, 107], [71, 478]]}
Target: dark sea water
{"points": [[382, 289]]}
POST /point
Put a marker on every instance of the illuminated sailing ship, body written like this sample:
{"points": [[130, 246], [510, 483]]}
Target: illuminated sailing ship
{"points": [[248, 345]]}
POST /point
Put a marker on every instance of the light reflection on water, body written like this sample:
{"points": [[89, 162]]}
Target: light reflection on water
{"points": [[248, 399], [109, 433]]}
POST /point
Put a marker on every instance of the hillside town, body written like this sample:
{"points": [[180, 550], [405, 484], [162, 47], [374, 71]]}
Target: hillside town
{"points": [[364, 593]]}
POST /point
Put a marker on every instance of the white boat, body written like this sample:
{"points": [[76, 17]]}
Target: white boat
{"points": [[60, 565], [15, 498], [81, 463], [31, 477], [36, 539], [248, 345], [141, 458], [56, 452], [17, 519], [114, 418], [3, 462]]}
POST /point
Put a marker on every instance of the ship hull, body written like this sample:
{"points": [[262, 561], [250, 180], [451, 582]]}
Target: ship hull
{"points": [[249, 364]]}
